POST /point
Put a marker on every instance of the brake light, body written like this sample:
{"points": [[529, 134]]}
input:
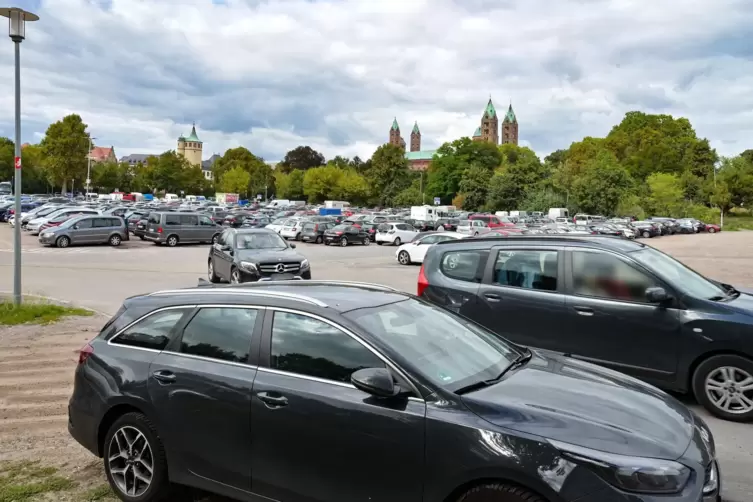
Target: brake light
{"points": [[423, 282], [316, 228], [159, 230], [84, 353]]}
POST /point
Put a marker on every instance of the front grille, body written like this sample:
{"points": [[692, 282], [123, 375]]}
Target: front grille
{"points": [[271, 268]]}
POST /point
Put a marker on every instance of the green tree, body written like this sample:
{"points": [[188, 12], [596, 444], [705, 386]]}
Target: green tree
{"points": [[261, 177], [475, 185], [290, 186], [235, 180], [411, 196], [722, 198], [65, 148], [168, 172], [106, 176], [351, 187], [389, 173], [737, 174], [453, 159], [603, 182], [521, 173], [301, 157], [318, 182], [665, 194]]}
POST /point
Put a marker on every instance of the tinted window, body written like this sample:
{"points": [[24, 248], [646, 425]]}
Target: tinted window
{"points": [[81, 224], [154, 218], [304, 345], [172, 219], [430, 239], [463, 265], [101, 222], [527, 269], [189, 219], [206, 221], [606, 276], [220, 333], [152, 332], [309, 226]]}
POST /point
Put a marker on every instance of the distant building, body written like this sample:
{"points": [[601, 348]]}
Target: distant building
{"points": [[418, 159], [191, 147], [207, 165], [136, 158], [100, 154]]}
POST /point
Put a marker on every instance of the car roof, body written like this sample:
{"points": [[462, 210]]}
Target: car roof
{"points": [[249, 230], [595, 241], [340, 296]]}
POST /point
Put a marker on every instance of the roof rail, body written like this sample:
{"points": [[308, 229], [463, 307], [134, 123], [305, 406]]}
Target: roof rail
{"points": [[529, 237], [354, 283], [240, 291]]}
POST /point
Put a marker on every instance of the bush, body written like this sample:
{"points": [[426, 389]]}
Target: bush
{"points": [[703, 213]]}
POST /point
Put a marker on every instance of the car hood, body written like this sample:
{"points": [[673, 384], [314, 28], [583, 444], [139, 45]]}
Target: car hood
{"points": [[564, 399], [270, 255], [743, 304]]}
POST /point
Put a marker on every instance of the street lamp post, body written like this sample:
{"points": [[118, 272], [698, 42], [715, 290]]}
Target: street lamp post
{"points": [[17, 31], [89, 168]]}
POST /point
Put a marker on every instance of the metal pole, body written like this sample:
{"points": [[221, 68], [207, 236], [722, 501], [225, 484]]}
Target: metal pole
{"points": [[17, 216], [89, 168]]}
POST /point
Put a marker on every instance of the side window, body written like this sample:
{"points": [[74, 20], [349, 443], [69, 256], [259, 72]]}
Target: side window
{"points": [[463, 265], [100, 222], [152, 332], [220, 333], [172, 219], [430, 239], [310, 347], [189, 219], [206, 221], [154, 218], [604, 275], [526, 269], [86, 223], [114, 222]]}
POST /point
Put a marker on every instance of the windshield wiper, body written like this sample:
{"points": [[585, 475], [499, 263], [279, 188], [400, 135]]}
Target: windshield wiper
{"points": [[519, 361]]}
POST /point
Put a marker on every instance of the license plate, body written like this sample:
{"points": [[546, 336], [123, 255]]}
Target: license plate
{"points": [[151, 230]]}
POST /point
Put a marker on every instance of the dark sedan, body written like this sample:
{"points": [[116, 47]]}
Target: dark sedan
{"points": [[317, 391], [343, 235]]}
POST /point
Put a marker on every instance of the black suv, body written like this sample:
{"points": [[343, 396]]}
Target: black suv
{"points": [[307, 390], [607, 300], [253, 254]]}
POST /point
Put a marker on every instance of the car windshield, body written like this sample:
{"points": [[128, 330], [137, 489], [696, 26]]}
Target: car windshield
{"points": [[681, 277], [448, 350], [341, 228], [464, 223], [260, 241]]}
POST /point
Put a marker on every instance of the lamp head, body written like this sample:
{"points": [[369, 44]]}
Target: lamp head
{"points": [[17, 21]]}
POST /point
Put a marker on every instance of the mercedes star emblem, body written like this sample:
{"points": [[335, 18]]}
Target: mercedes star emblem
{"points": [[280, 268]]}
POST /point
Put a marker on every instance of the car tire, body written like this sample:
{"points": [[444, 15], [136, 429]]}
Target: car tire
{"points": [[499, 492], [172, 241], [318, 239], [403, 258], [211, 274], [327, 243], [366, 241], [379, 243], [115, 240], [712, 230], [63, 242], [475, 234], [142, 237], [235, 276], [139, 426], [711, 383], [298, 236], [215, 238], [646, 234], [343, 242], [397, 241]]}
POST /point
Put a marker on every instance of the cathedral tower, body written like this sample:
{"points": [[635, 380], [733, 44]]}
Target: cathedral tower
{"points": [[415, 139], [191, 147], [490, 124], [395, 138], [510, 127]]}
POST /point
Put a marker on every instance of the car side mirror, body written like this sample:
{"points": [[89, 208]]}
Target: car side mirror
{"points": [[75, 227], [657, 295], [375, 381], [292, 246]]}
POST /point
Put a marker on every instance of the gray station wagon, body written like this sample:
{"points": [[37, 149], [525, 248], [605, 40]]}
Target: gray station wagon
{"points": [[173, 228], [86, 230]]}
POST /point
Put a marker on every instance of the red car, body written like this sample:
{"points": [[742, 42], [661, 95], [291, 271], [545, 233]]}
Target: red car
{"points": [[712, 228], [491, 220]]}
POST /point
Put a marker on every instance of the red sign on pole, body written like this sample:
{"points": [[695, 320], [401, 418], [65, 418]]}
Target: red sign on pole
{"points": [[18, 162]]}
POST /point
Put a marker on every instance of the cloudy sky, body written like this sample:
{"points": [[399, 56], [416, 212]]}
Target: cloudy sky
{"points": [[332, 74]]}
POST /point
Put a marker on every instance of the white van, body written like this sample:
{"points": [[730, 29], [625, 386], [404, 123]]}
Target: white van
{"points": [[558, 212], [169, 197]]}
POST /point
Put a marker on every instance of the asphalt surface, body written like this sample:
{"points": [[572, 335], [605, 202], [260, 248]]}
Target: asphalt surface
{"points": [[100, 277]]}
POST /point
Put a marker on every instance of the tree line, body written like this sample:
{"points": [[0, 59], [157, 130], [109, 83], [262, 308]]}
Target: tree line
{"points": [[647, 164]]}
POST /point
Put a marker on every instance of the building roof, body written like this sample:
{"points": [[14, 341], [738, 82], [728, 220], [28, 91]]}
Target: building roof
{"points": [[395, 127], [101, 153], [510, 115], [420, 155], [490, 111], [135, 158], [206, 165], [193, 137], [477, 134], [415, 129]]}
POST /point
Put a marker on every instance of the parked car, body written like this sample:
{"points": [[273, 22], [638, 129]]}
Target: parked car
{"points": [[395, 233], [292, 228], [492, 221], [313, 231], [256, 221], [713, 228], [414, 251], [86, 230], [220, 388], [344, 235], [473, 227], [443, 224], [646, 229], [173, 228], [34, 225], [253, 254], [607, 300]]}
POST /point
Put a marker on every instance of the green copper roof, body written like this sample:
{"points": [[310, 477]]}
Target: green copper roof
{"points": [[490, 111], [193, 136], [415, 129], [395, 127], [421, 155], [477, 134], [510, 115]]}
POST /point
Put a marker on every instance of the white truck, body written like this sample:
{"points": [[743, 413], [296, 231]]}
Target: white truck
{"points": [[558, 212], [430, 213], [336, 204]]}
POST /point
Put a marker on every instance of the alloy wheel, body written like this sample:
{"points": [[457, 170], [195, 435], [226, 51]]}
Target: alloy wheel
{"points": [[172, 241], [343, 242], [730, 389], [130, 461], [210, 271], [403, 258], [115, 240], [63, 242], [235, 276]]}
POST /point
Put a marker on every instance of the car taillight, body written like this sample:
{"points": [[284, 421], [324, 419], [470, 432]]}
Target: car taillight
{"points": [[316, 228], [11, 211], [84, 353], [423, 282], [159, 230], [338, 233]]}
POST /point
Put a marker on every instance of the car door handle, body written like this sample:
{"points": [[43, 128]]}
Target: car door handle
{"points": [[272, 401], [492, 297], [586, 311], [164, 376]]}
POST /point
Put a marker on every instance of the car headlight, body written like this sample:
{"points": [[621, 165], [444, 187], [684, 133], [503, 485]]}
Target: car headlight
{"points": [[632, 474], [47, 234], [247, 265], [305, 264]]}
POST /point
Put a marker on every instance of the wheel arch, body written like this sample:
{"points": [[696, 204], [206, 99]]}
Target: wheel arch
{"points": [[458, 492], [688, 379], [109, 418]]}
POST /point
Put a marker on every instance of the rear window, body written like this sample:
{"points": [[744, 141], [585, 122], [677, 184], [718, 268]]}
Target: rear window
{"points": [[384, 227], [309, 226], [341, 228], [154, 218], [464, 223], [464, 265]]}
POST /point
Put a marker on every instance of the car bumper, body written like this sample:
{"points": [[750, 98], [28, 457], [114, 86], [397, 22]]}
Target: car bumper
{"points": [[44, 238], [288, 234], [307, 237], [384, 238], [83, 428], [248, 276]]}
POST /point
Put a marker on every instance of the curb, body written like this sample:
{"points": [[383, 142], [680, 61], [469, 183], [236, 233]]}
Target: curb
{"points": [[55, 300]]}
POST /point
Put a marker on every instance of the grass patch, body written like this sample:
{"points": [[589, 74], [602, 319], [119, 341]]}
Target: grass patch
{"points": [[36, 313], [738, 222], [20, 481], [101, 492]]}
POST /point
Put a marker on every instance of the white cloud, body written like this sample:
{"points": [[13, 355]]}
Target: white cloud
{"points": [[272, 75]]}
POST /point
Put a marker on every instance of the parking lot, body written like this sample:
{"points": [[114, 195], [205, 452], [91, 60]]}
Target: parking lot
{"points": [[101, 277]]}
